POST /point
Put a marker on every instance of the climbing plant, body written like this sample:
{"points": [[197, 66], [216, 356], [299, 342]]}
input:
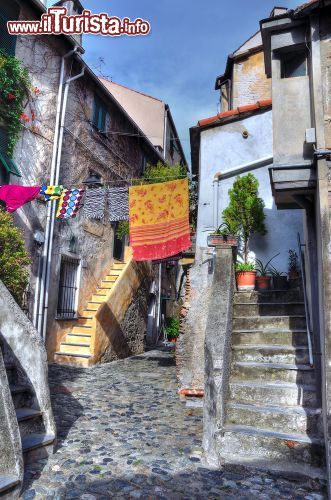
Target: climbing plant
{"points": [[13, 257], [15, 87]]}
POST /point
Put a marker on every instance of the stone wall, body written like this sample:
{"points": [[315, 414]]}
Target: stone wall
{"points": [[131, 340], [190, 344]]}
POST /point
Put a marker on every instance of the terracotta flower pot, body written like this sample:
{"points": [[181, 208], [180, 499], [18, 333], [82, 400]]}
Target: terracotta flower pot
{"points": [[245, 280], [263, 282]]}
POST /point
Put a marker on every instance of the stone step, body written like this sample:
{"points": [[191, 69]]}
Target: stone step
{"points": [[80, 348], [290, 419], [118, 266], [7, 483], [86, 316], [22, 396], [296, 337], [72, 338], [115, 272], [73, 359], [110, 278], [29, 421], [269, 309], [282, 393], [301, 374], [271, 353], [268, 296], [269, 322], [98, 299], [88, 321], [260, 445], [92, 307], [36, 446], [12, 374], [83, 329], [106, 285]]}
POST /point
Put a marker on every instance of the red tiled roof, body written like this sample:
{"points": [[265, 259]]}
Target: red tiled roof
{"points": [[249, 108]]}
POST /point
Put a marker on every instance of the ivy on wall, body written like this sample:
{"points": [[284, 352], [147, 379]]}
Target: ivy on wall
{"points": [[15, 88]]}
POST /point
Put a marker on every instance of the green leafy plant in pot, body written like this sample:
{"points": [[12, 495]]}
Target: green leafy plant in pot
{"points": [[263, 277], [225, 234], [279, 279], [172, 329], [245, 212]]}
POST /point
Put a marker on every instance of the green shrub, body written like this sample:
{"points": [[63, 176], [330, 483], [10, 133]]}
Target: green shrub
{"points": [[245, 209], [122, 229], [13, 257], [172, 327]]}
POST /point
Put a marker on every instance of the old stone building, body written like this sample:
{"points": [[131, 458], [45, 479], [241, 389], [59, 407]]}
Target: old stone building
{"points": [[76, 128]]}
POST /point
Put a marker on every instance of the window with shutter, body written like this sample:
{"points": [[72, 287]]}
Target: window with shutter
{"points": [[99, 114], [7, 41], [6, 162]]}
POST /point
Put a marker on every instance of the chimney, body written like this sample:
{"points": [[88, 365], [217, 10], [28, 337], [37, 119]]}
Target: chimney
{"points": [[277, 11]]}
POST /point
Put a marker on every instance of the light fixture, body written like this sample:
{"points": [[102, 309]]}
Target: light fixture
{"points": [[93, 180]]}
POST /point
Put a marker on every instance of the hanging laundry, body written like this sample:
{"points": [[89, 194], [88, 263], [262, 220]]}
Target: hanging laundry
{"points": [[159, 219], [14, 196], [51, 192], [118, 200], [69, 203], [94, 203]]}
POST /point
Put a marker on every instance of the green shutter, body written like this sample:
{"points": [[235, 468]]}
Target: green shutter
{"points": [[7, 41], [5, 161], [99, 114]]}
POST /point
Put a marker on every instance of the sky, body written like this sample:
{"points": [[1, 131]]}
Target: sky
{"points": [[186, 50]]}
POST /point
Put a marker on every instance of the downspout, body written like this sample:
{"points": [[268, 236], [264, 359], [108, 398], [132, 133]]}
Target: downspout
{"points": [[165, 131], [56, 181], [38, 315]]}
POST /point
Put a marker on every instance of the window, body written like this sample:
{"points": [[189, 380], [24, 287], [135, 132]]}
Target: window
{"points": [[6, 162], [68, 287], [99, 114], [7, 41], [294, 64]]}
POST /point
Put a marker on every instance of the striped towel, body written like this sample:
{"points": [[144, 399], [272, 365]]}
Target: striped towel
{"points": [[94, 203], [118, 199]]}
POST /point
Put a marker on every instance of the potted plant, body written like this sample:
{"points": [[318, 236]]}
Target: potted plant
{"points": [[245, 276], [263, 277], [225, 234], [293, 266], [279, 279], [245, 213], [172, 329]]}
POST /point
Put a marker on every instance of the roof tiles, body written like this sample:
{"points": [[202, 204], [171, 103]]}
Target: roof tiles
{"points": [[249, 108]]}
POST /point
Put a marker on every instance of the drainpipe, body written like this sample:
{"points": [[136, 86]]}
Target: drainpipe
{"points": [[42, 279], [53, 207], [165, 131]]}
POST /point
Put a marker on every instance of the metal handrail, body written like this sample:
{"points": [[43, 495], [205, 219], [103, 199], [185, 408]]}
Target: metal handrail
{"points": [[303, 275]]}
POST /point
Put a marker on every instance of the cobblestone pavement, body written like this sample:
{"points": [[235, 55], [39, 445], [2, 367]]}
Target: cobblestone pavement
{"points": [[124, 433]]}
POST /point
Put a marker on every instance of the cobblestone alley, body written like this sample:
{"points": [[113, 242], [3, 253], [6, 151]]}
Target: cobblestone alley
{"points": [[124, 433]]}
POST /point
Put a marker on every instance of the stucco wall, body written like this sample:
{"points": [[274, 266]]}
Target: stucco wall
{"points": [[325, 23], [222, 150]]}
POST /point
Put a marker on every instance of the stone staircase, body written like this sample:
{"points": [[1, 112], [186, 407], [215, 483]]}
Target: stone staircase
{"points": [[273, 414], [77, 347]]}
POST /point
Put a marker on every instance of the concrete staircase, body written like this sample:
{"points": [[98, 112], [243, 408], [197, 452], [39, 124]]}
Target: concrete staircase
{"points": [[77, 347], [273, 414]]}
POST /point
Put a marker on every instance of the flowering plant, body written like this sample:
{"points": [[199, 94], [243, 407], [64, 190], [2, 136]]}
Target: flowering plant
{"points": [[15, 88]]}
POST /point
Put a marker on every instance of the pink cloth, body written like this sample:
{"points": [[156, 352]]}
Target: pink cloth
{"points": [[15, 196]]}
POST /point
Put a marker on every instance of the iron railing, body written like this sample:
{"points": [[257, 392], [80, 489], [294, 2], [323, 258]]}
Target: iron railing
{"points": [[304, 285], [66, 306]]}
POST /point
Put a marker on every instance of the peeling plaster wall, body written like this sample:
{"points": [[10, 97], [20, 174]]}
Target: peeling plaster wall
{"points": [[250, 83], [325, 23]]}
